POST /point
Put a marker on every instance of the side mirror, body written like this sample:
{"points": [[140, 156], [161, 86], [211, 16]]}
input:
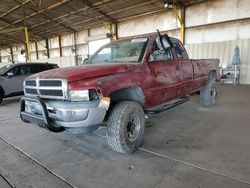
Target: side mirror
{"points": [[85, 60], [10, 74], [163, 41]]}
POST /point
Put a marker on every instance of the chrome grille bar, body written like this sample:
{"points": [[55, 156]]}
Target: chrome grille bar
{"points": [[46, 88]]}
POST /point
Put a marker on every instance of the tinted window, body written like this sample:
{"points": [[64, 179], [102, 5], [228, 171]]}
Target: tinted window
{"points": [[179, 51], [14, 71], [43, 67], [160, 55], [34, 69], [20, 70], [53, 66], [24, 70], [4, 69]]}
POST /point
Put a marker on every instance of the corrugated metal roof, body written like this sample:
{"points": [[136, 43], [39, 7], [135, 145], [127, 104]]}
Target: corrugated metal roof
{"points": [[48, 18]]}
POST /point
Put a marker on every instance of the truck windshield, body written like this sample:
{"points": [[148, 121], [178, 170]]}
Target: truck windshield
{"points": [[4, 69], [123, 51]]}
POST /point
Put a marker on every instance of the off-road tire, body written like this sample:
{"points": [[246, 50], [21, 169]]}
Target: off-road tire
{"points": [[208, 93], [1, 97], [118, 123]]}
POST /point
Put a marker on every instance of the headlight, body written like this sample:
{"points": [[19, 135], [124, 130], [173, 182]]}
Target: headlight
{"points": [[79, 95]]}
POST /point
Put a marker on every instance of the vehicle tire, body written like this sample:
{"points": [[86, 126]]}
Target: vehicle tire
{"points": [[55, 128], [125, 127], [1, 97], [208, 93]]}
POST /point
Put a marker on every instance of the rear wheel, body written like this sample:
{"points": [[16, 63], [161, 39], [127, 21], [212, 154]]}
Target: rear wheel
{"points": [[208, 93], [126, 127]]}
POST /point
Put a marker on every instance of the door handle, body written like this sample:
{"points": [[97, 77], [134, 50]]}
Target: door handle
{"points": [[177, 67]]}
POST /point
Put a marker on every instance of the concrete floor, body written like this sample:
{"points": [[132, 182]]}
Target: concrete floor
{"points": [[187, 146]]}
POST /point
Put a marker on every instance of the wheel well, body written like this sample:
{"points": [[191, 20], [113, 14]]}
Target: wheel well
{"points": [[1, 91], [128, 94]]}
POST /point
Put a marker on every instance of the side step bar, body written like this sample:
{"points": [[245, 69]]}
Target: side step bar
{"points": [[167, 106]]}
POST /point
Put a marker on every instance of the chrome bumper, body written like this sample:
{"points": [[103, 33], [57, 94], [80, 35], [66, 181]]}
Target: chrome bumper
{"points": [[62, 115]]}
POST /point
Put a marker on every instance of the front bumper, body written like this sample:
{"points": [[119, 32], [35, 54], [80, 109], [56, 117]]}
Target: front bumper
{"points": [[62, 115]]}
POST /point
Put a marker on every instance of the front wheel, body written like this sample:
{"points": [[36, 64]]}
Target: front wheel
{"points": [[126, 127], [1, 97]]}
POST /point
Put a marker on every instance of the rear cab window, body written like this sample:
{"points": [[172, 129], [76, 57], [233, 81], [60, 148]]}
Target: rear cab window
{"points": [[180, 52]]}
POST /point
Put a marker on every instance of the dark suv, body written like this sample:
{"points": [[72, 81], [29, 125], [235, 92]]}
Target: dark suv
{"points": [[12, 77]]}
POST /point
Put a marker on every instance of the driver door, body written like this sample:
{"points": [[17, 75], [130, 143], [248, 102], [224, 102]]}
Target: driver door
{"points": [[165, 76]]}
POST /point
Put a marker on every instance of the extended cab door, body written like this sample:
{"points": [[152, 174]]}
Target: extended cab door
{"points": [[186, 68], [165, 76]]}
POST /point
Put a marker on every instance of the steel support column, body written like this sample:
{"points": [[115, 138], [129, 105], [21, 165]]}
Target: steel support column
{"points": [[60, 45], [115, 31], [27, 45], [12, 56], [75, 46], [183, 25], [47, 48], [181, 19], [36, 50]]}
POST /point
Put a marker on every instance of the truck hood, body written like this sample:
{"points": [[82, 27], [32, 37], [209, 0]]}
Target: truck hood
{"points": [[85, 71]]}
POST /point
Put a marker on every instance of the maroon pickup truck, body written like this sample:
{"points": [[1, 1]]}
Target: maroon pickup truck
{"points": [[116, 86]]}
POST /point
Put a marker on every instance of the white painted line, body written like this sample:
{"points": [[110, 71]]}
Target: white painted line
{"points": [[195, 166]]}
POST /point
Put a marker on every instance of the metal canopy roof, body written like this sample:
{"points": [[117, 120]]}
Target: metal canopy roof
{"points": [[48, 18]]}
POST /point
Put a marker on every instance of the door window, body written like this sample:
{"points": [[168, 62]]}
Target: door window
{"points": [[38, 68], [24, 70], [160, 55]]}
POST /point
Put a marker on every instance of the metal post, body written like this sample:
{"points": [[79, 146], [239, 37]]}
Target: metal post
{"points": [[11, 53], [60, 45], [47, 47], [27, 45], [36, 50], [108, 26], [75, 46], [182, 22], [88, 43], [115, 32], [183, 25]]}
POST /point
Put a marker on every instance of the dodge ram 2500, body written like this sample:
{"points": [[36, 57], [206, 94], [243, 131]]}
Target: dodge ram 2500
{"points": [[116, 86]]}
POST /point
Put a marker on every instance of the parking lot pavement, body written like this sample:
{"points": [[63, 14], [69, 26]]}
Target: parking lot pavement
{"points": [[18, 170], [4, 183], [187, 146]]}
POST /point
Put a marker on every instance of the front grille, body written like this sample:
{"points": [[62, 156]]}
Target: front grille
{"points": [[31, 91], [44, 92], [30, 83], [52, 83], [46, 88]]}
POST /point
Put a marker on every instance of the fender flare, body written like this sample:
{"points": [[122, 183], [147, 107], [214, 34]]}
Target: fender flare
{"points": [[134, 93]]}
